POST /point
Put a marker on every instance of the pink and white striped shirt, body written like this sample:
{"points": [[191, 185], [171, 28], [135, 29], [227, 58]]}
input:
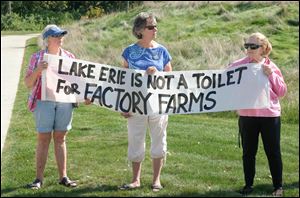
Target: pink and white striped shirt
{"points": [[36, 90], [278, 89]]}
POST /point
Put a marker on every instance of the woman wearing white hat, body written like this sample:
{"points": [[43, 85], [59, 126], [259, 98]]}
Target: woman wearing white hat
{"points": [[51, 118]]}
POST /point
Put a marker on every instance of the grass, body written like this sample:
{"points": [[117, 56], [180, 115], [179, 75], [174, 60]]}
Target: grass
{"points": [[5, 33], [201, 36], [203, 155]]}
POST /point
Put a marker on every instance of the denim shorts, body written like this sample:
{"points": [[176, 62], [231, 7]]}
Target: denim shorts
{"points": [[53, 116]]}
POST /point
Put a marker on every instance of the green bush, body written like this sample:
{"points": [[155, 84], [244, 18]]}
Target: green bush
{"points": [[95, 12], [11, 22], [35, 22]]}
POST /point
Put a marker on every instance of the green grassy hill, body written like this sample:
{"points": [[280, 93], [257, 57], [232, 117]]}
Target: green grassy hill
{"points": [[203, 158], [201, 36]]}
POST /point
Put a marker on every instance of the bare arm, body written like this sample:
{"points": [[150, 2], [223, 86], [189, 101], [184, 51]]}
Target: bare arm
{"points": [[125, 64], [31, 79], [168, 67]]}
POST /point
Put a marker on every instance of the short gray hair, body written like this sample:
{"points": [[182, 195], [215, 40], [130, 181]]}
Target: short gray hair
{"points": [[140, 23]]}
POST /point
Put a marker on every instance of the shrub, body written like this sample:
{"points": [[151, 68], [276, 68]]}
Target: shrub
{"points": [[11, 22], [95, 12], [35, 22]]}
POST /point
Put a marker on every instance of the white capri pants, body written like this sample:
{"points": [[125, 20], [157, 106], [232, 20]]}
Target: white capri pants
{"points": [[137, 128]]}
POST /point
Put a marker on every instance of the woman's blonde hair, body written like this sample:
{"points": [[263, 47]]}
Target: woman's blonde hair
{"points": [[263, 40]]}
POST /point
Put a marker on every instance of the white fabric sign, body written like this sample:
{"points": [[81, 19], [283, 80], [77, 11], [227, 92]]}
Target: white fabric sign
{"points": [[177, 92]]}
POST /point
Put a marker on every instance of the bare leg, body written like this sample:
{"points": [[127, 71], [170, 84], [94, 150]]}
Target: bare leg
{"points": [[157, 166], [41, 154], [136, 170], [60, 150]]}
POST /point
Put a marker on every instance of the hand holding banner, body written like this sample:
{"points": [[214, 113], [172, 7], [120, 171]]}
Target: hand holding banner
{"points": [[177, 92]]}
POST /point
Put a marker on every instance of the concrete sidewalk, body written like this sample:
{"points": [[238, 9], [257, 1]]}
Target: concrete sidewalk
{"points": [[12, 52]]}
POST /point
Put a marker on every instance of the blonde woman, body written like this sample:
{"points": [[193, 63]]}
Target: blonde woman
{"points": [[264, 121]]}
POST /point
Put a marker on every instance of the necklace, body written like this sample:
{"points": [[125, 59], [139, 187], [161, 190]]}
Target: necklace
{"points": [[154, 53]]}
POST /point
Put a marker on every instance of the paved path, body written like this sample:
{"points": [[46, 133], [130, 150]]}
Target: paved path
{"points": [[12, 52]]}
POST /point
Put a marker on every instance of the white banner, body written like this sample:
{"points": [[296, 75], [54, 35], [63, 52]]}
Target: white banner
{"points": [[177, 92]]}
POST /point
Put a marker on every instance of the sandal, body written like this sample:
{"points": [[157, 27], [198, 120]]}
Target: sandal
{"points": [[156, 188], [278, 192], [36, 184], [128, 187], [67, 182]]}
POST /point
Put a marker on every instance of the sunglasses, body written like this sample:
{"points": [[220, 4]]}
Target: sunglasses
{"points": [[251, 46], [56, 36], [150, 27]]}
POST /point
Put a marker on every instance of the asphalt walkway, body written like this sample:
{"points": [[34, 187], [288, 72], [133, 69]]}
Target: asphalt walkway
{"points": [[12, 53]]}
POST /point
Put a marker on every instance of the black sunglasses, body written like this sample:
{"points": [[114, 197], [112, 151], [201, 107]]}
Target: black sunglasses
{"points": [[56, 36], [251, 46], [150, 27]]}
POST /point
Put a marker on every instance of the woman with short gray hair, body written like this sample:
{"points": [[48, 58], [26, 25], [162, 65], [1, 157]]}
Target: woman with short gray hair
{"points": [[146, 54]]}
